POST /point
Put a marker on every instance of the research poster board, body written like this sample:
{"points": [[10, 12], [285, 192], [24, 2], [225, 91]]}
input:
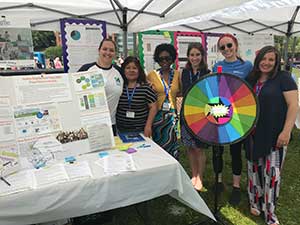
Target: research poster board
{"points": [[80, 41], [16, 46], [248, 46], [212, 51], [181, 42], [47, 118], [147, 42]]}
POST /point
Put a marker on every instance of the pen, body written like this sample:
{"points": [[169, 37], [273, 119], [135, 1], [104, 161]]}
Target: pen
{"points": [[5, 181]]}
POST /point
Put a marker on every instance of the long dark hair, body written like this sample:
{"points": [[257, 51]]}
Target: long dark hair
{"points": [[233, 38], [142, 76], [203, 64], [256, 73]]}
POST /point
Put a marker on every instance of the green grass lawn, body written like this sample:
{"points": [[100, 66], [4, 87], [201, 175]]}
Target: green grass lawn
{"points": [[167, 211]]}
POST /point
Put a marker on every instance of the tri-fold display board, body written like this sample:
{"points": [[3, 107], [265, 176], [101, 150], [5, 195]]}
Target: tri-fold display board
{"points": [[44, 118]]}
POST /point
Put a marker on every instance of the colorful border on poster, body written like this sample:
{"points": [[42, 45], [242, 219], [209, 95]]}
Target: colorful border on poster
{"points": [[63, 23]]}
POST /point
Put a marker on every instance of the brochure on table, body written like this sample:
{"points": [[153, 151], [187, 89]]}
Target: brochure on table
{"points": [[46, 118]]}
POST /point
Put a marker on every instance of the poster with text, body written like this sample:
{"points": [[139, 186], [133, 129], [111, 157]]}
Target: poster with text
{"points": [[148, 41], [181, 42], [80, 41]]}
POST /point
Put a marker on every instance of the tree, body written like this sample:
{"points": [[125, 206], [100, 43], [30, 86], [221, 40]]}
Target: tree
{"points": [[43, 40], [53, 51]]}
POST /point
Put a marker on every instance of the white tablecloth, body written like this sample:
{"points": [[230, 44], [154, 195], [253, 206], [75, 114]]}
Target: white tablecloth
{"points": [[157, 174]]}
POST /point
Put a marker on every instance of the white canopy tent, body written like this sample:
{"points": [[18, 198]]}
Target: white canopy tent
{"points": [[280, 17], [120, 15]]}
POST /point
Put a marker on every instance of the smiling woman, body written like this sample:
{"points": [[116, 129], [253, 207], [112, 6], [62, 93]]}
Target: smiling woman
{"points": [[235, 65], [111, 74], [266, 147], [137, 106], [166, 82]]}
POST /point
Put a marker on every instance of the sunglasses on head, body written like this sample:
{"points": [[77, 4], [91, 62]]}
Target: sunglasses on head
{"points": [[167, 58], [228, 45]]}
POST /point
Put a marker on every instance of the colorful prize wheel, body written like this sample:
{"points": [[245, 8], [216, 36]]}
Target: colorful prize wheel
{"points": [[220, 109]]}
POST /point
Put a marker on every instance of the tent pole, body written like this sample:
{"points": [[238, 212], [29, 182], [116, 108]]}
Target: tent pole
{"points": [[125, 28], [286, 48], [289, 34], [135, 52], [294, 48]]}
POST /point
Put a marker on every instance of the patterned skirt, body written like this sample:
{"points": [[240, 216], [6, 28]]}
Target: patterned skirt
{"points": [[188, 140], [164, 132]]}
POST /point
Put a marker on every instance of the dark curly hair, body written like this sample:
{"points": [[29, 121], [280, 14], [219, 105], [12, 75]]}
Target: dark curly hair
{"points": [[164, 47], [142, 76]]}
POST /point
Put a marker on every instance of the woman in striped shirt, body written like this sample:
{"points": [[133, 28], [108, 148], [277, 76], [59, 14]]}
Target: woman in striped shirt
{"points": [[137, 105]]}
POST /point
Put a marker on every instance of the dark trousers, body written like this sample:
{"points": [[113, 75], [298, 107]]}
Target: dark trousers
{"points": [[236, 158]]}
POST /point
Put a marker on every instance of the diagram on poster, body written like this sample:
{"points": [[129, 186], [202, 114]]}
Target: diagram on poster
{"points": [[36, 120], [9, 158], [87, 81], [91, 100]]}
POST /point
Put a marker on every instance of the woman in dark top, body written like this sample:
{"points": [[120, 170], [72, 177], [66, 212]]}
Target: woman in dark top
{"points": [[194, 69], [137, 105], [266, 146]]}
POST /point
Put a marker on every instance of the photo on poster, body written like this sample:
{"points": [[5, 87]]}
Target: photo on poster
{"points": [[16, 47], [70, 136], [36, 120]]}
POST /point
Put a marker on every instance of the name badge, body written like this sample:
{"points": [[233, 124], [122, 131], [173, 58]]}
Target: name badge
{"points": [[129, 114], [166, 106]]}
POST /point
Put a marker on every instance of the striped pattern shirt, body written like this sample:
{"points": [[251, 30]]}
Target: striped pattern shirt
{"points": [[143, 96]]}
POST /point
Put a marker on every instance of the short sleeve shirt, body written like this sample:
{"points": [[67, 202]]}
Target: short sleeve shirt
{"points": [[237, 68], [143, 95], [272, 114]]}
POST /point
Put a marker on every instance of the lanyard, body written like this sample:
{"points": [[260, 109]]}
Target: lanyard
{"points": [[191, 76], [168, 86], [130, 96], [258, 87]]}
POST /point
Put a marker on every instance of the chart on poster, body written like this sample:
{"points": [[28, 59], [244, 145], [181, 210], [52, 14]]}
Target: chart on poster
{"points": [[45, 119]]}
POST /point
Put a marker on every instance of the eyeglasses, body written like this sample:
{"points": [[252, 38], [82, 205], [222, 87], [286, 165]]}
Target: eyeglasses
{"points": [[167, 58], [228, 45]]}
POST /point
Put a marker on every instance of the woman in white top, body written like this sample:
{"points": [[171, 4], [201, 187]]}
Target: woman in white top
{"points": [[111, 74]]}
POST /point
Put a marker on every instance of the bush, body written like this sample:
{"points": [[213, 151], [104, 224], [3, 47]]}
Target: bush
{"points": [[53, 51]]}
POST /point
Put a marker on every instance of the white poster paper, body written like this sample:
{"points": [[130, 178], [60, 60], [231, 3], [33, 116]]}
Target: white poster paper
{"points": [[40, 89], [50, 175], [81, 39], [78, 170], [9, 158], [7, 131], [17, 182], [149, 43]]}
